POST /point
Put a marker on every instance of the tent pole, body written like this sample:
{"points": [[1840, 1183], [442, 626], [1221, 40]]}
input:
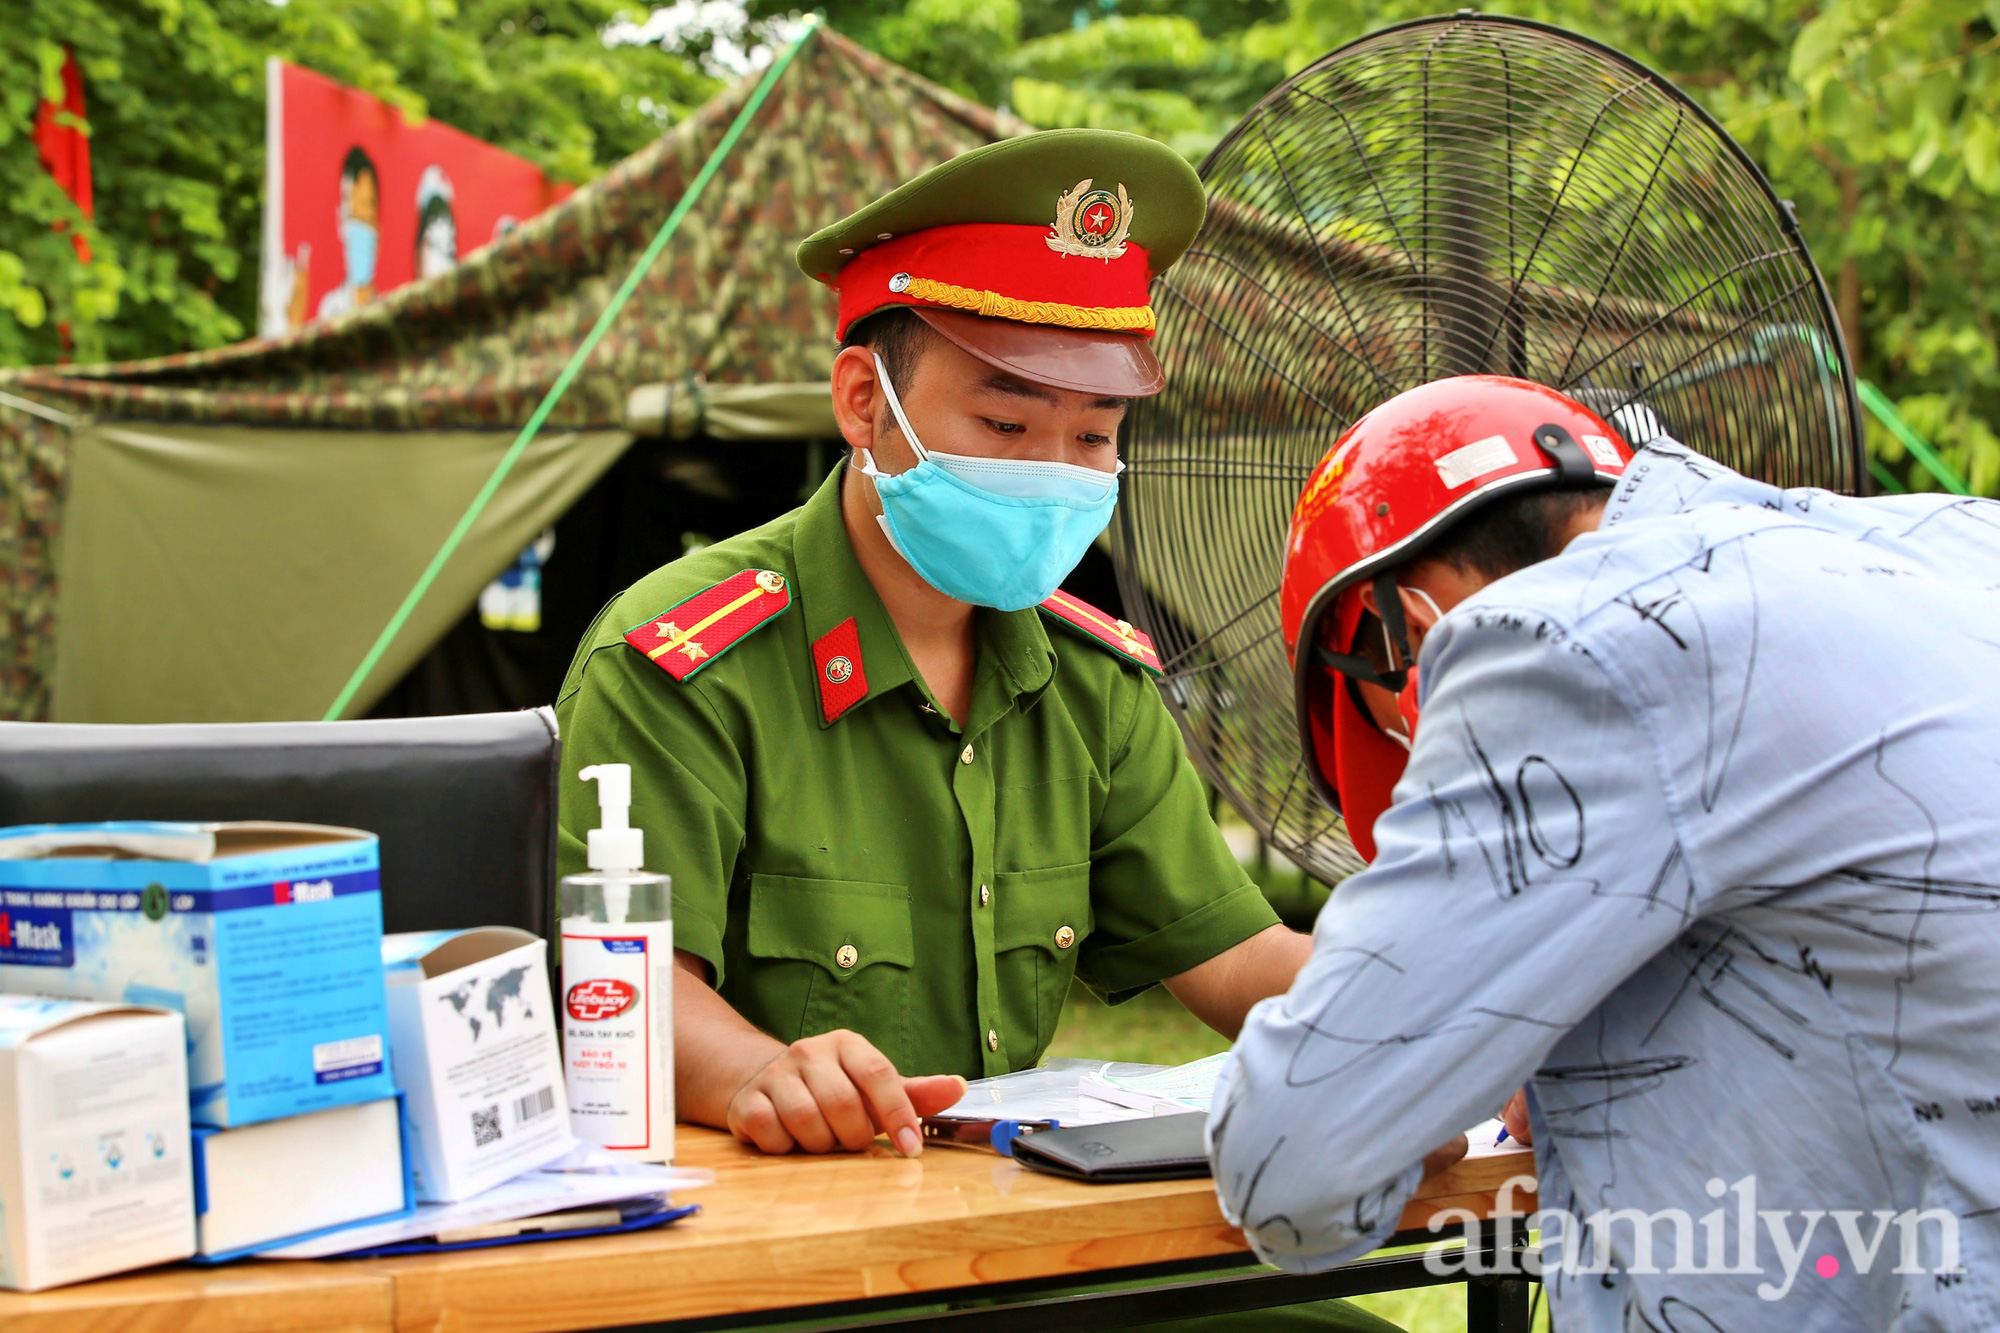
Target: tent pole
{"points": [[569, 373]]}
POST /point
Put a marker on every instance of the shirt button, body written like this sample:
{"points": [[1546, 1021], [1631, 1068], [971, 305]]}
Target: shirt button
{"points": [[847, 956], [985, 895], [965, 755], [992, 1040], [1065, 937]]}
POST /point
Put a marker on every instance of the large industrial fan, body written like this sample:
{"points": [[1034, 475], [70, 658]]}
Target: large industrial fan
{"points": [[1452, 196]]}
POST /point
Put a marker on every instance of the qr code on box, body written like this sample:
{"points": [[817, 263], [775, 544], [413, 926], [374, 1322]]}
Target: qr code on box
{"points": [[485, 1126]]}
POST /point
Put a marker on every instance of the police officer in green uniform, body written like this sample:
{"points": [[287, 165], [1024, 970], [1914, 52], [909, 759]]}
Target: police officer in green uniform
{"points": [[906, 788]]}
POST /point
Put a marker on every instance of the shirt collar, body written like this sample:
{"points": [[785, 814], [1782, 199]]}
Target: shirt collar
{"points": [[832, 586], [1667, 477]]}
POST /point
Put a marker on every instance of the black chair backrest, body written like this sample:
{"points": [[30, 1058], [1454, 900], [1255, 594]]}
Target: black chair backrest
{"points": [[465, 806]]}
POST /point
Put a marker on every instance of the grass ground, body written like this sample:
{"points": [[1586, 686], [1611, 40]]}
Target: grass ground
{"points": [[1153, 1028]]}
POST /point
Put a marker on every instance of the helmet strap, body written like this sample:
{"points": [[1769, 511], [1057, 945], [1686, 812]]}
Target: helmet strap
{"points": [[1389, 608]]}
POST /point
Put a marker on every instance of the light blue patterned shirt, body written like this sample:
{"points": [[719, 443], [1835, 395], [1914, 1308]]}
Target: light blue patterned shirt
{"points": [[1699, 840]]}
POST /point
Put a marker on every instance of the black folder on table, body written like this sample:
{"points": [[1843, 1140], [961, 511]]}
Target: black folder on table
{"points": [[1166, 1147]]}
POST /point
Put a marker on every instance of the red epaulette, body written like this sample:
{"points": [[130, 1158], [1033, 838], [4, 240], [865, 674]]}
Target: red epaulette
{"points": [[1120, 636], [688, 635]]}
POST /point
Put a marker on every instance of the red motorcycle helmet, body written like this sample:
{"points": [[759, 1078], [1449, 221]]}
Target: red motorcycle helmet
{"points": [[1398, 479]]}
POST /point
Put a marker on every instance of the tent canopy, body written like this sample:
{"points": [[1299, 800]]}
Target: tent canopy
{"points": [[219, 536]]}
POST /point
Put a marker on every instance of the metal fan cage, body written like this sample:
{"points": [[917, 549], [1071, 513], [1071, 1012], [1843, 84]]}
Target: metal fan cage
{"points": [[1451, 196]]}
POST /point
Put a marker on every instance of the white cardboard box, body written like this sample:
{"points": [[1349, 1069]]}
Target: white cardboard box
{"points": [[280, 1181], [472, 1036], [94, 1172]]}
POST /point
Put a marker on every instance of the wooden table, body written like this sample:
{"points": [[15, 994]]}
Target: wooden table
{"points": [[866, 1232]]}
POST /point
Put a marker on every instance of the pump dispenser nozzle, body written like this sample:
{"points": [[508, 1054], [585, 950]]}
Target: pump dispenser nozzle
{"points": [[614, 846]]}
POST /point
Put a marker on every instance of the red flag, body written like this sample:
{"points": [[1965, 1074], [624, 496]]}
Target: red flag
{"points": [[64, 148]]}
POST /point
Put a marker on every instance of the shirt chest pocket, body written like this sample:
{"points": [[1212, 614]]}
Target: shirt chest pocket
{"points": [[1040, 920], [839, 954]]}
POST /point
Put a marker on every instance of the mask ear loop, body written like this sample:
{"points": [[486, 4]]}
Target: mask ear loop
{"points": [[896, 410]]}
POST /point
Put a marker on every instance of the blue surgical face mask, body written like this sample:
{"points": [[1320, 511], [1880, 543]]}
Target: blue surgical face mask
{"points": [[357, 246], [990, 531]]}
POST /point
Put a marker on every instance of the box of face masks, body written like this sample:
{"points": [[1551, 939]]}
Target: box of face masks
{"points": [[93, 1141], [266, 936], [472, 1034]]}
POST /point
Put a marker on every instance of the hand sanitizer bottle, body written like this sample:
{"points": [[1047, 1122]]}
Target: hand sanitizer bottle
{"points": [[618, 985]]}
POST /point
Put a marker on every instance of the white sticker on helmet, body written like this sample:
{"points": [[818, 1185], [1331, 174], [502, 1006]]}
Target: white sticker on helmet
{"points": [[1475, 460], [1602, 451]]}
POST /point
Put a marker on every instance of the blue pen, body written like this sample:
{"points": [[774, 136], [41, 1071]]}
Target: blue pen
{"points": [[1503, 1137]]}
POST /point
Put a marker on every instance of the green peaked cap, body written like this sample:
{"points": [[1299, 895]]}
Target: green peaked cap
{"points": [[1019, 181]]}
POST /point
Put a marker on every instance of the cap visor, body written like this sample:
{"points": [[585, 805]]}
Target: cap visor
{"points": [[1118, 365]]}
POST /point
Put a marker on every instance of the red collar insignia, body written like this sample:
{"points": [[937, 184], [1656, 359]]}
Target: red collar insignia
{"points": [[688, 635], [843, 682], [1122, 637]]}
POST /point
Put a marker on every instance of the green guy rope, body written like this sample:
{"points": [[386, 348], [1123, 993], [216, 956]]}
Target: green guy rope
{"points": [[1885, 412], [569, 373]]}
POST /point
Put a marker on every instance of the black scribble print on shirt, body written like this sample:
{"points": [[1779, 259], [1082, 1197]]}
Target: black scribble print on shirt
{"points": [[1928, 887], [1556, 833], [1325, 1051], [1538, 815], [1599, 1086], [1671, 886], [1728, 681], [1714, 974], [1677, 1315], [1655, 610], [1984, 512], [1728, 663], [1257, 1175]]}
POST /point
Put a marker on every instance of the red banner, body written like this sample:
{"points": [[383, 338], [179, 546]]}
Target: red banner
{"points": [[358, 201], [64, 146]]}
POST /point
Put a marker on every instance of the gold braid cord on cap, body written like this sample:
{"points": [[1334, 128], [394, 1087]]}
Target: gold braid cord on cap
{"points": [[1123, 319]]}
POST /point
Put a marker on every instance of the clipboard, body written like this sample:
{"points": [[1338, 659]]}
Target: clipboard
{"points": [[629, 1220]]}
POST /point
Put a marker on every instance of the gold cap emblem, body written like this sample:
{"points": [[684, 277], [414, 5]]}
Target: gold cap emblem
{"points": [[1092, 223]]}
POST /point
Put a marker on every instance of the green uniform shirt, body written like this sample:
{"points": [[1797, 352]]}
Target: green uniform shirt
{"points": [[930, 886]]}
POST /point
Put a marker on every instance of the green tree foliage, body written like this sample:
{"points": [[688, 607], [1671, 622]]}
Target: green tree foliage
{"points": [[1173, 69], [174, 91], [1880, 119]]}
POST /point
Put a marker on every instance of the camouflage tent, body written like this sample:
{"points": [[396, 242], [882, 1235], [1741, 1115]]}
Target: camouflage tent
{"points": [[221, 535]]}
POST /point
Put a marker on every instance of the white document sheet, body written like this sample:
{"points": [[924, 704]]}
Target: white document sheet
{"points": [[588, 1175], [1090, 1092], [1188, 1087]]}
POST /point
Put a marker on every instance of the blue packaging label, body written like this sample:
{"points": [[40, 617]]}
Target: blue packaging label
{"points": [[37, 937], [278, 973]]}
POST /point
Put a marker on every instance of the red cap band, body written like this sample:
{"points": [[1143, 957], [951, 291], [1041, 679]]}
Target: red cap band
{"points": [[1001, 270]]}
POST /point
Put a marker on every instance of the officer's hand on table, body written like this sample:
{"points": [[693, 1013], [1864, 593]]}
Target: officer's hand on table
{"points": [[831, 1091], [837, 1091], [1515, 1118]]}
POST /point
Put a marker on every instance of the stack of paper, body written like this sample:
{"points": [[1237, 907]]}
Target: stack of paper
{"points": [[587, 1178], [1098, 1092], [1090, 1092], [1158, 1090]]}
